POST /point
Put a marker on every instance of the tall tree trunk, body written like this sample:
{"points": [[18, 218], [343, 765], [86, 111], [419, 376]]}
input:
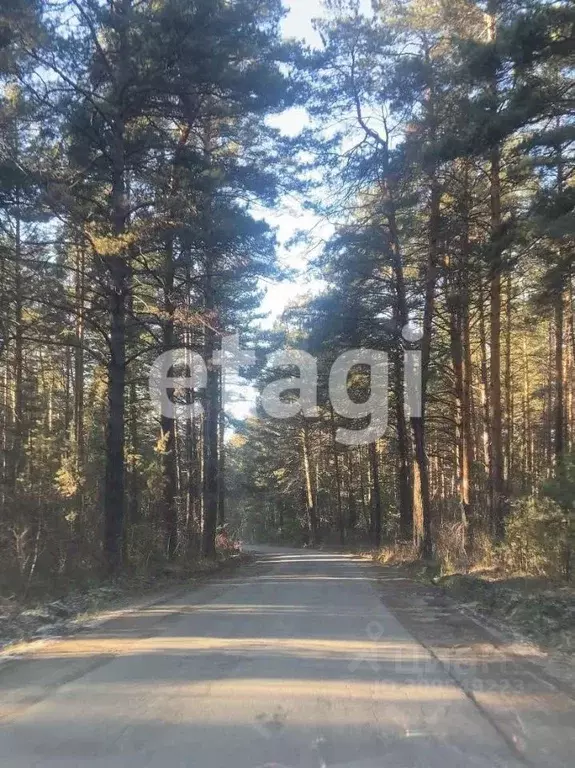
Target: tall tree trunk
{"points": [[211, 419], [68, 411], [167, 424], [497, 480], [351, 505], [114, 501], [571, 370], [18, 375], [221, 453], [309, 495], [421, 477], [485, 394], [114, 482], [192, 438], [340, 518], [508, 463], [364, 513], [401, 317], [462, 426], [193, 495], [467, 421], [496, 418], [80, 289], [467, 405], [406, 527], [4, 421], [134, 473], [559, 443], [376, 495], [527, 422], [549, 415]]}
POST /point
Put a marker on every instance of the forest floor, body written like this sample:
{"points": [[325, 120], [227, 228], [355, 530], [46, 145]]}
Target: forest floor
{"points": [[66, 611]]}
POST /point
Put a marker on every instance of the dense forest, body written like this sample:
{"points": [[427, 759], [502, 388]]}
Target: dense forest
{"points": [[447, 147], [137, 154]]}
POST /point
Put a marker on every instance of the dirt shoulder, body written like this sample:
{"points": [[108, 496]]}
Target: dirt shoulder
{"points": [[22, 622], [527, 693], [537, 609]]}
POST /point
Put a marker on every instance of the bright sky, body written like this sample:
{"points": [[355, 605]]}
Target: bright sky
{"points": [[291, 218], [299, 21]]}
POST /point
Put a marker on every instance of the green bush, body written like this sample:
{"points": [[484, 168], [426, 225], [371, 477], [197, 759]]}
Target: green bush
{"points": [[535, 538], [562, 491]]}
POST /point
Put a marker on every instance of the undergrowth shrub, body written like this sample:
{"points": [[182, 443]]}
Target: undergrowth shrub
{"points": [[225, 543], [398, 552], [535, 538], [450, 547], [538, 542]]}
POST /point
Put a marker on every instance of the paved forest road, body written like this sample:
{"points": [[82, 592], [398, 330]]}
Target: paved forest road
{"points": [[293, 662]]}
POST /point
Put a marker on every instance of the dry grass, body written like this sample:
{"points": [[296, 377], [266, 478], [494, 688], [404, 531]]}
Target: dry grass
{"points": [[520, 581]]}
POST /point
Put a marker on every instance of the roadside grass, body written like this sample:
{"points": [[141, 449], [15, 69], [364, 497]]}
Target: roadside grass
{"points": [[539, 607]]}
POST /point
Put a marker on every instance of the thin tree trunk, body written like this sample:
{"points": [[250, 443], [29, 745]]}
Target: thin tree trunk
{"points": [[401, 316], [485, 395], [210, 441], [376, 495], [134, 474], [467, 420], [571, 370], [362, 490], [211, 411], [461, 408], [550, 415], [508, 463], [497, 484], [467, 407], [18, 376], [167, 424], [527, 421], [80, 289], [559, 443], [309, 495], [418, 424], [406, 526], [340, 518], [221, 454], [351, 507]]}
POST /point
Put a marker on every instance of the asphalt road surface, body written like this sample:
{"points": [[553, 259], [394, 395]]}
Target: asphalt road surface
{"points": [[295, 661]]}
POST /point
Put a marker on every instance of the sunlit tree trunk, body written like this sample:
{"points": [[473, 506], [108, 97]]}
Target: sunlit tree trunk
{"points": [[559, 421], [311, 509], [485, 395], [497, 479]]}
